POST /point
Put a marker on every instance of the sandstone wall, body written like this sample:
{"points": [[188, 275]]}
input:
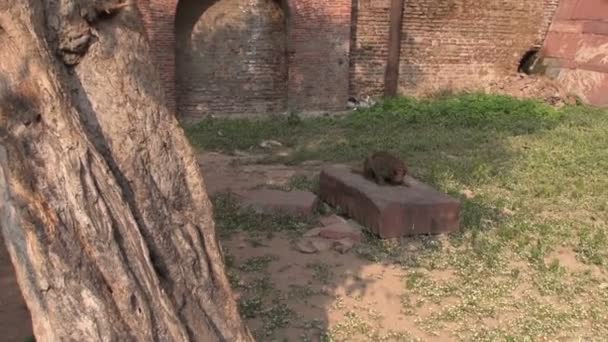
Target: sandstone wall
{"points": [[576, 49]]}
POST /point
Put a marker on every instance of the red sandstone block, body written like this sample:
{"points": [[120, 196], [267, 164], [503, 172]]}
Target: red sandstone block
{"points": [[389, 211], [596, 27], [277, 201], [566, 8], [591, 9]]}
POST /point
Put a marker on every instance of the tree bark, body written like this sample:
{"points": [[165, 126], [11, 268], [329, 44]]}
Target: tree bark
{"points": [[391, 76], [102, 203]]}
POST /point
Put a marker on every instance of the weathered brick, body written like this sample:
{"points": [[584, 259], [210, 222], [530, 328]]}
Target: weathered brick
{"points": [[267, 56], [159, 18], [455, 44], [389, 211], [575, 49]]}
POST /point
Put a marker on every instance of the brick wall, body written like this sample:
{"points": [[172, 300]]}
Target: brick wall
{"points": [[445, 43], [576, 49], [235, 60], [158, 17], [265, 56], [318, 44]]}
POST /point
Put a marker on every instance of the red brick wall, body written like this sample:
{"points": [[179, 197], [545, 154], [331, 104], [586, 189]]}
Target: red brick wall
{"points": [[576, 49], [234, 61], [450, 43], [318, 44], [158, 16], [336, 48]]}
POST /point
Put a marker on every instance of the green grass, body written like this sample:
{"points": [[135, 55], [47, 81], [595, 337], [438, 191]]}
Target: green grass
{"points": [[539, 176]]}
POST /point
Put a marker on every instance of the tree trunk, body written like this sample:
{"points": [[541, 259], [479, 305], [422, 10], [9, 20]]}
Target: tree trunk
{"points": [[391, 76], [102, 203]]}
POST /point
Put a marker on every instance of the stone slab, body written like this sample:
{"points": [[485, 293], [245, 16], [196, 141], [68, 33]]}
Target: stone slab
{"points": [[270, 201], [389, 211]]}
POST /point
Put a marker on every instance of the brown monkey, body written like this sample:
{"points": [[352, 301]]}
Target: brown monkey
{"points": [[384, 167]]}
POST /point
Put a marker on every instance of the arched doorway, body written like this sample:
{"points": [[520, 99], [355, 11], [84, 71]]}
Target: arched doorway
{"points": [[230, 57]]}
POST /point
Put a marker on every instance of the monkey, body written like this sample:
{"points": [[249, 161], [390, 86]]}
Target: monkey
{"points": [[385, 168]]}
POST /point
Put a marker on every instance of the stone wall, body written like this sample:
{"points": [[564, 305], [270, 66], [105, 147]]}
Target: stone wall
{"points": [[445, 43], [576, 49]]}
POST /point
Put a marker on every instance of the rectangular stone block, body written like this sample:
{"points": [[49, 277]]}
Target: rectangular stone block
{"points": [[389, 211]]}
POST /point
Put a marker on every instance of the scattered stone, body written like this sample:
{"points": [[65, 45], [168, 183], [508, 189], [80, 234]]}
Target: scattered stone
{"points": [[355, 104], [283, 153], [389, 211], [341, 230], [320, 244], [313, 245], [467, 193], [356, 224], [313, 232], [268, 201], [270, 144], [507, 212], [329, 220], [343, 245], [306, 246], [340, 236]]}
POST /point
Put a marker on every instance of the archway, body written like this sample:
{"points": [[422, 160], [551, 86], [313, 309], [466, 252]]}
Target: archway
{"points": [[230, 57]]}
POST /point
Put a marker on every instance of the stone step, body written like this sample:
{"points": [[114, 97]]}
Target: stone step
{"points": [[389, 211]]}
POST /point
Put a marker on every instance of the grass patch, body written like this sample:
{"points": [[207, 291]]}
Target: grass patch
{"points": [[536, 183]]}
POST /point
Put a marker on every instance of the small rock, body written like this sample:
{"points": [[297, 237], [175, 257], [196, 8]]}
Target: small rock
{"points": [[468, 193], [355, 224], [283, 153], [313, 232], [341, 230], [343, 245], [603, 286], [313, 245], [306, 246], [320, 244], [333, 219], [270, 144], [507, 212]]}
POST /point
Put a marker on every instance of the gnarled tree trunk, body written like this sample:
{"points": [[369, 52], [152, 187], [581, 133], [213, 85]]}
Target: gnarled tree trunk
{"points": [[102, 203]]}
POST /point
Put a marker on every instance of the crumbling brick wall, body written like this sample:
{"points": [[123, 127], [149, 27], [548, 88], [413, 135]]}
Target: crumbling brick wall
{"points": [[318, 44], [576, 49], [268, 56], [336, 48], [159, 17], [445, 43], [235, 60]]}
